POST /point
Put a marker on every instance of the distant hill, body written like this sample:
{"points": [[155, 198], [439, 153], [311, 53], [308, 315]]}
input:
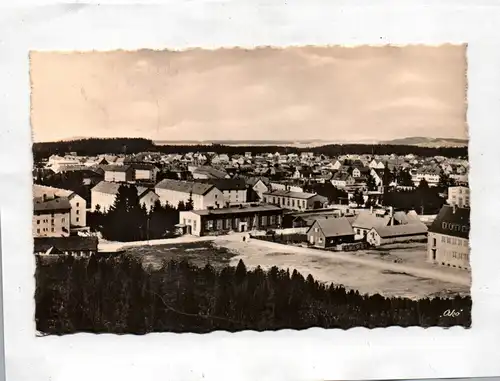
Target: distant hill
{"points": [[428, 142]]}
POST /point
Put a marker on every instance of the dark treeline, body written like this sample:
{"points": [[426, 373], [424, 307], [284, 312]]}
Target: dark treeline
{"points": [[117, 295], [91, 147]]}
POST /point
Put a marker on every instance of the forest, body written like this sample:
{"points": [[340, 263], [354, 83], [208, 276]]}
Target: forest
{"points": [[116, 294], [95, 146]]}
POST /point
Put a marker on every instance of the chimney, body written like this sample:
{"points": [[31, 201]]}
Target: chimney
{"points": [[371, 209]]}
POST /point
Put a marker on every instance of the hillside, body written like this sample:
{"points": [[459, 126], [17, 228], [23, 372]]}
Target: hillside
{"points": [[428, 142]]}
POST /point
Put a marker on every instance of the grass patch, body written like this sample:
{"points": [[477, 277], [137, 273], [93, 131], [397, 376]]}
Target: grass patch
{"points": [[197, 253]]}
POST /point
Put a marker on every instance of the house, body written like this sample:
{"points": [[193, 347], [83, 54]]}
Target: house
{"points": [[234, 190], [51, 217], [367, 220], [145, 172], [381, 235], [336, 166], [295, 200], [448, 238], [75, 245], [308, 217], [78, 212], [208, 172], [118, 173], [103, 196], [430, 174], [342, 180], [257, 187], [328, 232], [233, 219], [459, 196], [373, 164], [204, 195]]}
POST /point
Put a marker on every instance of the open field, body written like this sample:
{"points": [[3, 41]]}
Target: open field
{"points": [[368, 271], [199, 253]]}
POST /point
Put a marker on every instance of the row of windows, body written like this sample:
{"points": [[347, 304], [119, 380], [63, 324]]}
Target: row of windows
{"points": [[286, 201], [454, 241], [230, 223], [45, 230], [460, 256]]}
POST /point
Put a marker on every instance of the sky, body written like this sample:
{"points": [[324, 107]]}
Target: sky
{"points": [[329, 93]]}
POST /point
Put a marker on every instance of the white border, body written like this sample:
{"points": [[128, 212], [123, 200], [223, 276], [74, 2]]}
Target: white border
{"points": [[313, 354]]}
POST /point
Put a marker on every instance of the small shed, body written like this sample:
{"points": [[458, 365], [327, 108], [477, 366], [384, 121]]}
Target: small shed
{"points": [[397, 233], [328, 232]]}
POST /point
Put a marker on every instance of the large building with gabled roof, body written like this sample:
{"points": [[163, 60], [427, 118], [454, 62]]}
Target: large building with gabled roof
{"points": [[448, 239], [204, 195]]}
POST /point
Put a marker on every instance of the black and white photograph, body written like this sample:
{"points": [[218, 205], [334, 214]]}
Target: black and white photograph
{"points": [[234, 189]]}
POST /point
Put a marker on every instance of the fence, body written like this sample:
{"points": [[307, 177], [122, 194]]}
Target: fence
{"points": [[293, 238], [352, 246]]}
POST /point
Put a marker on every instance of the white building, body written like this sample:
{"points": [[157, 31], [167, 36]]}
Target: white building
{"points": [[103, 196], [51, 217], [459, 196], [204, 195], [78, 214], [234, 190], [118, 173]]}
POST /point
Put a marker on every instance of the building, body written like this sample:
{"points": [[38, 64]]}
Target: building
{"points": [[207, 172], [204, 195], [234, 191], [78, 213], [431, 175], [295, 200], [308, 218], [367, 220], [328, 232], [459, 196], [51, 217], [448, 239], [76, 246], [382, 235], [118, 173], [145, 172], [342, 180], [233, 219], [103, 196]]}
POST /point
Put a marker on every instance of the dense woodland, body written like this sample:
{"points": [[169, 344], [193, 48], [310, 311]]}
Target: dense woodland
{"points": [[117, 295], [92, 147]]}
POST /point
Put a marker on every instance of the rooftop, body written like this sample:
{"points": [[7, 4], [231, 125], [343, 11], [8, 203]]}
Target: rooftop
{"points": [[334, 227], [285, 193], [72, 243], [185, 186], [452, 221], [236, 210], [52, 205], [401, 230]]}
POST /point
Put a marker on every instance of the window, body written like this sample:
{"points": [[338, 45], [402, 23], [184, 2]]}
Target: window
{"points": [[448, 240], [316, 230], [77, 212], [194, 224], [320, 240], [184, 221], [304, 203], [52, 230], [434, 242], [38, 231], [38, 222], [62, 219], [77, 219], [443, 239], [77, 204]]}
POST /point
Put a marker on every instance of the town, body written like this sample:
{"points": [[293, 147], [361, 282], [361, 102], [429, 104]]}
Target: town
{"points": [[346, 204]]}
